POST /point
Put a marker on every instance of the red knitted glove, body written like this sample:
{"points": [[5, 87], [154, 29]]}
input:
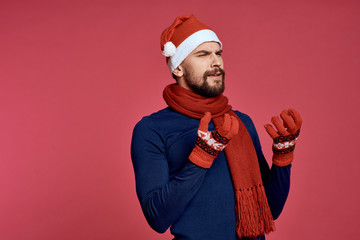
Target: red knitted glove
{"points": [[285, 137], [209, 144]]}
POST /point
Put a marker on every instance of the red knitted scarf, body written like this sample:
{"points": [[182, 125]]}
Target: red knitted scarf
{"points": [[252, 209]]}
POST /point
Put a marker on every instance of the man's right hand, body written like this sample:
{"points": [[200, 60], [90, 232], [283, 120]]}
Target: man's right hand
{"points": [[209, 144]]}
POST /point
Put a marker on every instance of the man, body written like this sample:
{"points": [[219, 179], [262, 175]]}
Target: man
{"points": [[198, 164]]}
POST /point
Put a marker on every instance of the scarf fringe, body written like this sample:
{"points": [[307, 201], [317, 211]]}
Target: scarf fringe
{"points": [[254, 217]]}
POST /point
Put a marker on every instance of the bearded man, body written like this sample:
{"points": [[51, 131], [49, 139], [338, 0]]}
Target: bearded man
{"points": [[198, 163]]}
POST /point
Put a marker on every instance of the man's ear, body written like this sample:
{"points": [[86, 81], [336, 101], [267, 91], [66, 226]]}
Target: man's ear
{"points": [[179, 71]]}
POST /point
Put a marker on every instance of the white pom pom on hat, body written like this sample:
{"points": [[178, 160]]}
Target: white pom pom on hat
{"points": [[169, 49], [182, 37]]}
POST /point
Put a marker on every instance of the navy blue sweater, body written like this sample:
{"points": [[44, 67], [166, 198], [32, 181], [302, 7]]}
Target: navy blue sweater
{"points": [[196, 203]]}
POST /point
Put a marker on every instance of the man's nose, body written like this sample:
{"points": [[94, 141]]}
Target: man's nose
{"points": [[216, 60]]}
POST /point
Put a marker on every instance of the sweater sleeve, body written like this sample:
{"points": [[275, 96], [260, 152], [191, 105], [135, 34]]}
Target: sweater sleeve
{"points": [[162, 199], [276, 180]]}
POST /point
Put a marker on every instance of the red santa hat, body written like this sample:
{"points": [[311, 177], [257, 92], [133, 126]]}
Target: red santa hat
{"points": [[182, 37]]}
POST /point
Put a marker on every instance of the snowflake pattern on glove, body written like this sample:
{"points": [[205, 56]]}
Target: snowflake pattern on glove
{"points": [[285, 144], [212, 139]]}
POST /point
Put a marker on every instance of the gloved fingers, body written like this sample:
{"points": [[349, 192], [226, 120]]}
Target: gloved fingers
{"points": [[234, 128], [230, 126], [279, 126], [289, 122], [225, 128], [296, 116], [271, 131], [204, 122]]}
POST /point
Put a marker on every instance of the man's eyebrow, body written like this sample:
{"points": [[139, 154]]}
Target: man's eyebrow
{"points": [[202, 51], [207, 52]]}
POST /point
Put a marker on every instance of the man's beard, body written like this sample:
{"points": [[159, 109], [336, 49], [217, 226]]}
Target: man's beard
{"points": [[204, 89]]}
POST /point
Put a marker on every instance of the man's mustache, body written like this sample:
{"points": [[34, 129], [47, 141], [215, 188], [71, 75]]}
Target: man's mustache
{"points": [[214, 71]]}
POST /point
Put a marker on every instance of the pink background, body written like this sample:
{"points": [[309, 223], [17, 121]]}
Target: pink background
{"points": [[75, 77]]}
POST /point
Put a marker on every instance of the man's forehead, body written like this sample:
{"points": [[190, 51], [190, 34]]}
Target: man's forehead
{"points": [[208, 46]]}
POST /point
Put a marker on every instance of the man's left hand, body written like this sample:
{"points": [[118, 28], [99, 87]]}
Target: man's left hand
{"points": [[285, 136]]}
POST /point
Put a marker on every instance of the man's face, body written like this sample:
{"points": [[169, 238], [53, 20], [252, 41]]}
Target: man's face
{"points": [[203, 70]]}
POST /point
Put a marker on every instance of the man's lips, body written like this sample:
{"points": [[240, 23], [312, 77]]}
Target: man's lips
{"points": [[216, 74]]}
